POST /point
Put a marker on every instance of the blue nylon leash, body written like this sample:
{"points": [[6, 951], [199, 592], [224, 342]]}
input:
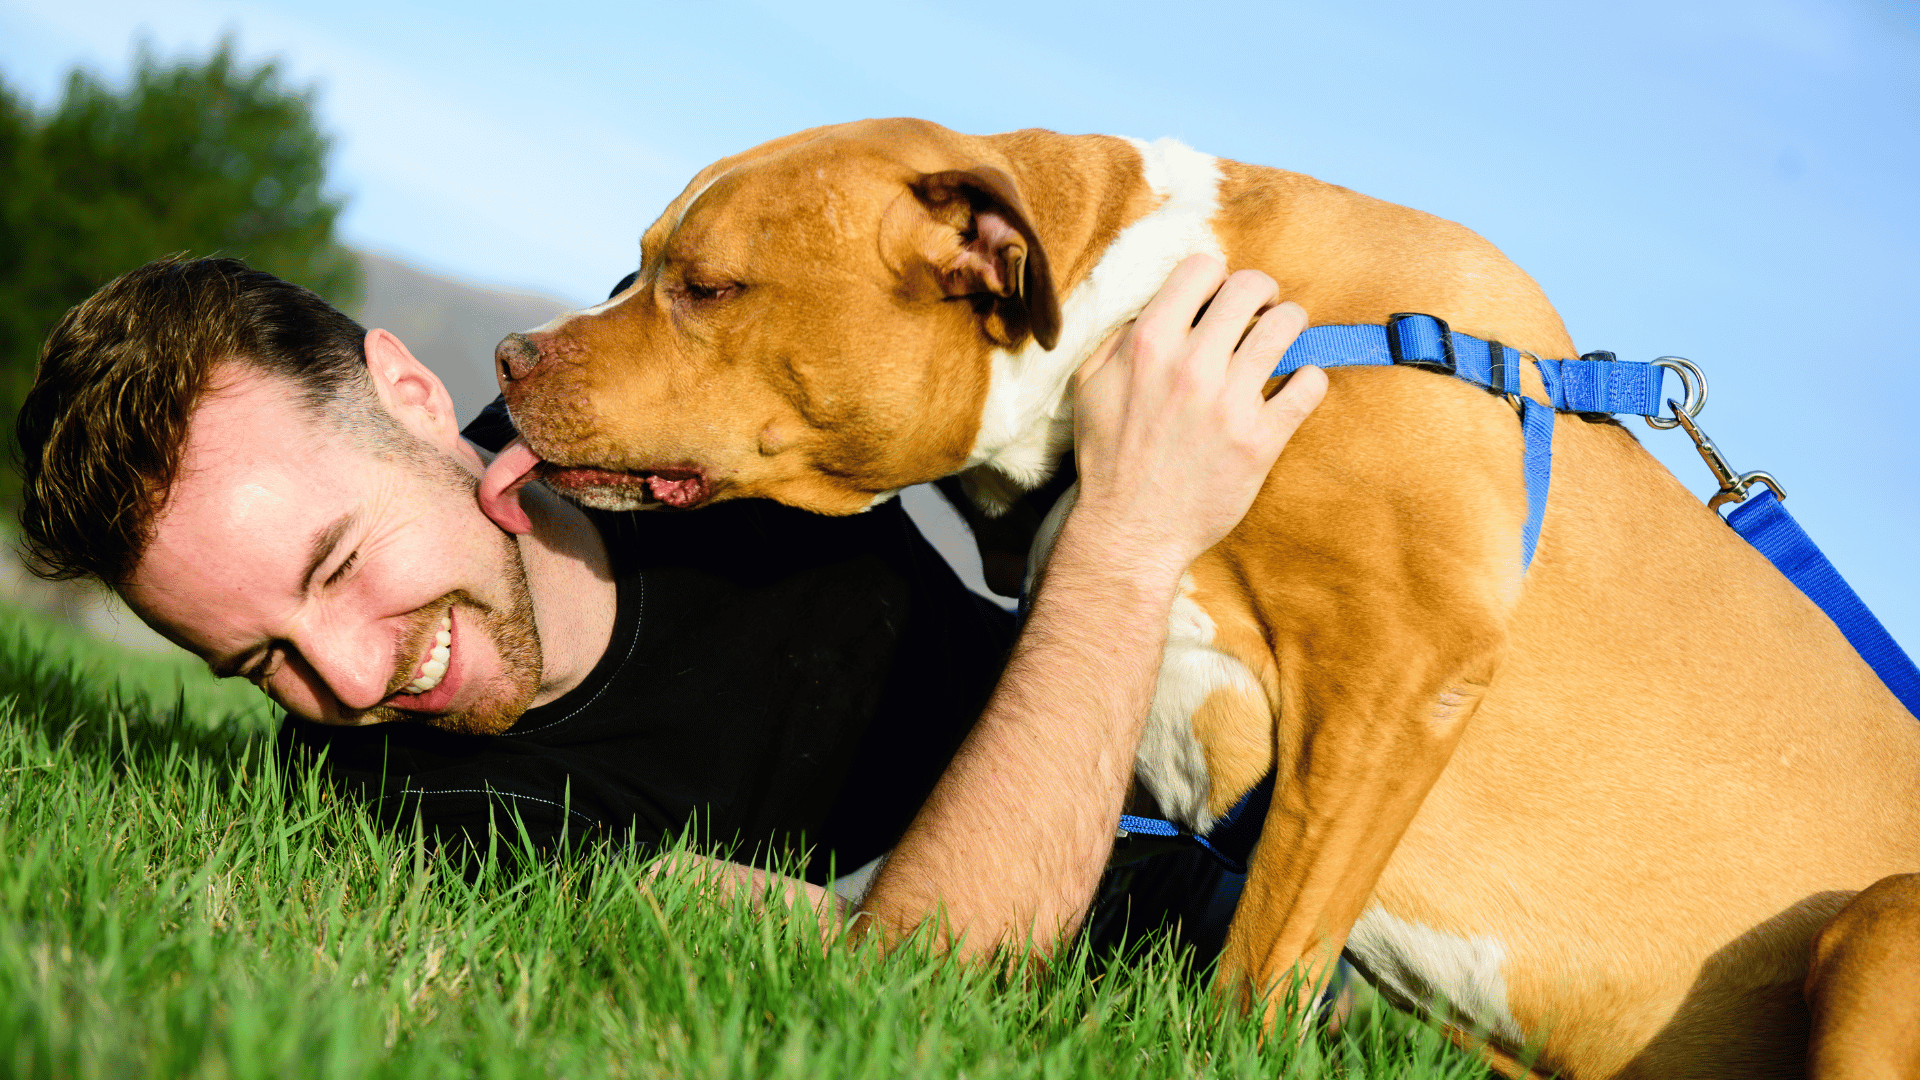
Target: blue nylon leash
{"points": [[1764, 523], [1595, 383]]}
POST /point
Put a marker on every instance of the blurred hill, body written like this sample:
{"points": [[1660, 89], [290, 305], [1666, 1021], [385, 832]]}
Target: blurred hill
{"points": [[451, 325]]}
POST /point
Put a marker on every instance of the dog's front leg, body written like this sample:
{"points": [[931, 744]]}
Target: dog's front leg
{"points": [[1384, 583], [1358, 746]]}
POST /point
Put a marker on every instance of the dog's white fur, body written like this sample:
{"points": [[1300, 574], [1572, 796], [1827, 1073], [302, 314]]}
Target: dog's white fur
{"points": [[1027, 423]]}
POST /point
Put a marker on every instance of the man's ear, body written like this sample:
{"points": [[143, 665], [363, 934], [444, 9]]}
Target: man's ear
{"points": [[982, 243], [413, 395]]}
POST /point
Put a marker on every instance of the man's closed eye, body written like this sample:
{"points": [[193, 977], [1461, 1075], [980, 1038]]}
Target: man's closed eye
{"points": [[346, 564]]}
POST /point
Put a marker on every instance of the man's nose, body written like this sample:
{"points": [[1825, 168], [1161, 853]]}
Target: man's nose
{"points": [[356, 666], [518, 356]]}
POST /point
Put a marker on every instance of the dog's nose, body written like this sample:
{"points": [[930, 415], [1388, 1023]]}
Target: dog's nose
{"points": [[515, 358]]}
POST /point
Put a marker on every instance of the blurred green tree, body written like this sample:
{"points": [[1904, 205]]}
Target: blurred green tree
{"points": [[207, 157]]}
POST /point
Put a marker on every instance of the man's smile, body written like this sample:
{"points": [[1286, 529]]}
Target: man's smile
{"points": [[434, 683]]}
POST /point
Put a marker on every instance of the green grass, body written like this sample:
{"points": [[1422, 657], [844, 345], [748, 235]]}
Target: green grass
{"points": [[171, 904]]}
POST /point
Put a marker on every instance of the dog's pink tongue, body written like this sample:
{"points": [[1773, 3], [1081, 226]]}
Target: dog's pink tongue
{"points": [[500, 486], [675, 493]]}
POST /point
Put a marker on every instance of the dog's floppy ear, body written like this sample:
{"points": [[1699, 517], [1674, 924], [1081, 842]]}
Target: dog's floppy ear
{"points": [[986, 245]]}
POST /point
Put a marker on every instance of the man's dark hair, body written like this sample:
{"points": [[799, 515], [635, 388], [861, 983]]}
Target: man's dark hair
{"points": [[102, 430]]}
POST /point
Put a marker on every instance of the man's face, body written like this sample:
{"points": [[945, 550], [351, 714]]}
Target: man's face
{"points": [[287, 554]]}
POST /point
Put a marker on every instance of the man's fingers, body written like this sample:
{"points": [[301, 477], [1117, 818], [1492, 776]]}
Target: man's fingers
{"points": [[1103, 353], [1288, 409], [1253, 362], [1172, 309], [1242, 297]]}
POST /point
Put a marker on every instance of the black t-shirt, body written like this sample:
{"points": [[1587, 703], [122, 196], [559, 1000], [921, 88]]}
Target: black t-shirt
{"points": [[772, 674]]}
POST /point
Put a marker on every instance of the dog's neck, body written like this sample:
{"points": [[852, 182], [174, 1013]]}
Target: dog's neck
{"points": [[1027, 421]]}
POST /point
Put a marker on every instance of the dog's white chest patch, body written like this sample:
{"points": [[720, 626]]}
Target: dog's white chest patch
{"points": [[1428, 971]]}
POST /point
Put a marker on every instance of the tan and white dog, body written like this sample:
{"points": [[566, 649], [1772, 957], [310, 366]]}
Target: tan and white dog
{"points": [[1594, 814]]}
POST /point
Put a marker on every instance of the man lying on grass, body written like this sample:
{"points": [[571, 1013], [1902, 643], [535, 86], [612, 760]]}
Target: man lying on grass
{"points": [[289, 496]]}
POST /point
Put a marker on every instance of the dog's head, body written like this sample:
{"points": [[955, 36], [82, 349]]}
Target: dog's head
{"points": [[813, 321]]}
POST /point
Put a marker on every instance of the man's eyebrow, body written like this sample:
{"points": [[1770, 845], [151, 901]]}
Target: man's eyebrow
{"points": [[323, 545]]}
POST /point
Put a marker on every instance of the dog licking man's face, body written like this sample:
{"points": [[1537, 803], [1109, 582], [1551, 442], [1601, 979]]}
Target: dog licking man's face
{"points": [[812, 322]]}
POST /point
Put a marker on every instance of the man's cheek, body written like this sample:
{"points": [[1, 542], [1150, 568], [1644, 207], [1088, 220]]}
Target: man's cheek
{"points": [[297, 689], [294, 700]]}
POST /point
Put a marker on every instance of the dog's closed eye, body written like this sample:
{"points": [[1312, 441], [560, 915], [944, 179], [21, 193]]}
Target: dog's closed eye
{"points": [[709, 291]]}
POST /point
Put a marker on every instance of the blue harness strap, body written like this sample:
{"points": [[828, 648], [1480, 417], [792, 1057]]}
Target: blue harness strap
{"points": [[1231, 839], [1423, 341], [1595, 383], [1603, 386], [1536, 420]]}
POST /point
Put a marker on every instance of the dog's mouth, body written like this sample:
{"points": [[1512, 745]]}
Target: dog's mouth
{"points": [[678, 487]]}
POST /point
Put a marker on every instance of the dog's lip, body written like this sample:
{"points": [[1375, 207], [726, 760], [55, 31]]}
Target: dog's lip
{"points": [[518, 464], [595, 476], [679, 486]]}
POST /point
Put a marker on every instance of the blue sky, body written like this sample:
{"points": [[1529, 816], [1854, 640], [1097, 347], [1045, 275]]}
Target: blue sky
{"points": [[1731, 183]]}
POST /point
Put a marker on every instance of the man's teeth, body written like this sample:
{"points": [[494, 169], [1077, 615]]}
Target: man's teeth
{"points": [[435, 668]]}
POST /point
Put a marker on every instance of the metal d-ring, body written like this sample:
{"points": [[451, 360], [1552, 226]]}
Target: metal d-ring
{"points": [[1695, 382], [1519, 402]]}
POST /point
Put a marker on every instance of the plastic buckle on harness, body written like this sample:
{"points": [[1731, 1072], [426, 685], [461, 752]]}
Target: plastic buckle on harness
{"points": [[1445, 362], [1606, 357]]}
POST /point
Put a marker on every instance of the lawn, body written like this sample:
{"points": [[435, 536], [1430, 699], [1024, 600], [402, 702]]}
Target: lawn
{"points": [[175, 903]]}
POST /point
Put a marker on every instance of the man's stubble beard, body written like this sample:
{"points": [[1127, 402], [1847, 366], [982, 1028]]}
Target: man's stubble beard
{"points": [[511, 626], [516, 640]]}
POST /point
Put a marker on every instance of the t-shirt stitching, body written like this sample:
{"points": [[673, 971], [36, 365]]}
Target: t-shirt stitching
{"points": [[633, 643], [495, 791]]}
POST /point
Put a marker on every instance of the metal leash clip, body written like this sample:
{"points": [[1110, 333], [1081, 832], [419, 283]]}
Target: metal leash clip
{"points": [[1734, 487]]}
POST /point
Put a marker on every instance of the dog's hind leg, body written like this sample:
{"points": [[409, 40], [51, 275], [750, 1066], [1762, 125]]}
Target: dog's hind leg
{"points": [[1864, 987]]}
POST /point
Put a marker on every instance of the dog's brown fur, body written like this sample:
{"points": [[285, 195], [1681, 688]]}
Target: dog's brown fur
{"points": [[1649, 769]]}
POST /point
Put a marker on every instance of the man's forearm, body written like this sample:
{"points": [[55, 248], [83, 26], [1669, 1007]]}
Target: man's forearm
{"points": [[1013, 840]]}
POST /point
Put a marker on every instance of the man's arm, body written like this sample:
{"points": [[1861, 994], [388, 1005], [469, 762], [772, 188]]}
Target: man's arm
{"points": [[1173, 440]]}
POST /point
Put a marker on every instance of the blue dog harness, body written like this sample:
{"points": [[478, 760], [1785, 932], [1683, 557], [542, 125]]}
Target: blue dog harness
{"points": [[1594, 384]]}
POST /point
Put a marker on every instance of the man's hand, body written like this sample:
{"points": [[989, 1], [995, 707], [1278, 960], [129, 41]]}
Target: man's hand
{"points": [[766, 891], [1172, 436], [1174, 440]]}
